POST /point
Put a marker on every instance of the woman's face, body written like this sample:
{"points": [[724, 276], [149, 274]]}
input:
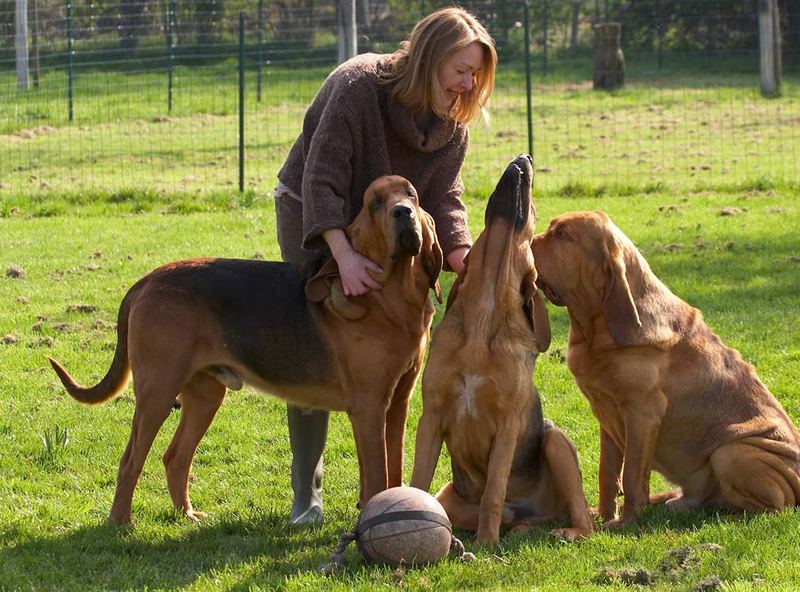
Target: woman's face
{"points": [[457, 72]]}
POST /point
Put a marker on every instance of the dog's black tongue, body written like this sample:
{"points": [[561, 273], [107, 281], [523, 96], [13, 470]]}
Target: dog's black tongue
{"points": [[511, 198]]}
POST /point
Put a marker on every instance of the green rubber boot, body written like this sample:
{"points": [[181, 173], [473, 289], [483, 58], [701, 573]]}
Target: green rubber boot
{"points": [[308, 431]]}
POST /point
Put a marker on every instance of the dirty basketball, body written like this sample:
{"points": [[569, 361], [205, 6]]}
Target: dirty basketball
{"points": [[403, 525]]}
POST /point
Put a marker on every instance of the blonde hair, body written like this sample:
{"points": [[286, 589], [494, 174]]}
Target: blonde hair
{"points": [[414, 68]]}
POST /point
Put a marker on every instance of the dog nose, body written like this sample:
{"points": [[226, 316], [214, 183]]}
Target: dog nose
{"points": [[401, 211]]}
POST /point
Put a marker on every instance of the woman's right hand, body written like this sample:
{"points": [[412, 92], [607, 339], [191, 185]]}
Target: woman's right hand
{"points": [[353, 266]]}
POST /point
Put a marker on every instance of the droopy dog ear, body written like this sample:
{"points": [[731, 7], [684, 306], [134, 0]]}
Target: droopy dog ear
{"points": [[326, 287], [432, 257], [453, 294], [536, 312], [639, 309], [622, 316]]}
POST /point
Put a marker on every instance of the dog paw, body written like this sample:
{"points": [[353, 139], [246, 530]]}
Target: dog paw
{"points": [[487, 539], [195, 516], [570, 535], [602, 515], [615, 523]]}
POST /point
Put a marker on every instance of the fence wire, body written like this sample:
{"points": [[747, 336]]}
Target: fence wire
{"points": [[128, 96]]}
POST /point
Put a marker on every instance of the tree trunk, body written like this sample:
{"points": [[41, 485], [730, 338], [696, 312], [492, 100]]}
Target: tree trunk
{"points": [[130, 16], [576, 19], [609, 63], [346, 29], [769, 48]]}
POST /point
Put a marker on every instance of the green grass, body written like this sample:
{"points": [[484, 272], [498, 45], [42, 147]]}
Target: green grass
{"points": [[75, 264]]}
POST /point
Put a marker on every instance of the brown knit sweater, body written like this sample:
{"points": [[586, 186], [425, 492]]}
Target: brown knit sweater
{"points": [[353, 133]]}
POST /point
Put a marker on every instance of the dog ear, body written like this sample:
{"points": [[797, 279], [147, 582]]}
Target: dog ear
{"points": [[318, 288], [536, 312], [342, 306], [453, 294], [622, 316], [432, 257], [326, 287]]}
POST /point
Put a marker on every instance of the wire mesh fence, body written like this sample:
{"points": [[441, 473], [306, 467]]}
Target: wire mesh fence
{"points": [[143, 95]]}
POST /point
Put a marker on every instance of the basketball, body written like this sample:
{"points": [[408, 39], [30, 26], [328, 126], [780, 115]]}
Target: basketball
{"points": [[403, 525]]}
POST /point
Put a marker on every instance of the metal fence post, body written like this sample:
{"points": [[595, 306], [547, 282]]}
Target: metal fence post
{"points": [[69, 60], [544, 40], [526, 26], [241, 101], [661, 27], [170, 52], [260, 55]]}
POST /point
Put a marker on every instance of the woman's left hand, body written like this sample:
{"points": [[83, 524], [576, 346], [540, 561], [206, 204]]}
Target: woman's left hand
{"points": [[455, 258]]}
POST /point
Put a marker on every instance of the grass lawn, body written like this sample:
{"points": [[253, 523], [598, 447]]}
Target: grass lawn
{"points": [[76, 263]]}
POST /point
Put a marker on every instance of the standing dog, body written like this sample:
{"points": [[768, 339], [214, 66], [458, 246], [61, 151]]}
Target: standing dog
{"points": [[201, 326], [668, 394], [508, 464]]}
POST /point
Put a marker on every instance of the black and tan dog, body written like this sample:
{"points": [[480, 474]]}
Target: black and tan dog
{"points": [[668, 394], [201, 326], [509, 465]]}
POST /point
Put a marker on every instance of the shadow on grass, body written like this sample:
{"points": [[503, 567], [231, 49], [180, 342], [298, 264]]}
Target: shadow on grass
{"points": [[262, 548]]}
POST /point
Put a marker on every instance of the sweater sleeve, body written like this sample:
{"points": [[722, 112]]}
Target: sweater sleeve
{"points": [[328, 173], [444, 202]]}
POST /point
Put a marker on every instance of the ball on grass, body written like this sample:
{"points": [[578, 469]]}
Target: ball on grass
{"points": [[403, 525]]}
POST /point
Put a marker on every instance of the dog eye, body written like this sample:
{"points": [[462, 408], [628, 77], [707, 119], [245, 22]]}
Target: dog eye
{"points": [[376, 204], [561, 233], [410, 193]]}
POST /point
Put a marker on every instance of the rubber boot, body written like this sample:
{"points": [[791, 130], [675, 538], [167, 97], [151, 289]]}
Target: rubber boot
{"points": [[308, 430]]}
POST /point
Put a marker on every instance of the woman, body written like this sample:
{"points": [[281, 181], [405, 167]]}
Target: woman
{"points": [[405, 113]]}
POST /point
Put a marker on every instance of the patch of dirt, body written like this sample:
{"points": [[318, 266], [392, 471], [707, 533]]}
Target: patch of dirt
{"points": [[101, 325], [9, 339], [730, 211], [30, 134], [627, 576], [67, 327], [710, 583], [15, 272], [677, 565], [84, 308], [42, 342]]}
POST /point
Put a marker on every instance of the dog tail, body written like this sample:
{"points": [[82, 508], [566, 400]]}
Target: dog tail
{"points": [[116, 377]]}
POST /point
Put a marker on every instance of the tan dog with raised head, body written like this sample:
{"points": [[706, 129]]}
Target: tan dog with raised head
{"points": [[668, 394], [509, 465], [201, 326]]}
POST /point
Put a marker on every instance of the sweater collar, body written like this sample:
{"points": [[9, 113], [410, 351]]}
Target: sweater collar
{"points": [[401, 118]]}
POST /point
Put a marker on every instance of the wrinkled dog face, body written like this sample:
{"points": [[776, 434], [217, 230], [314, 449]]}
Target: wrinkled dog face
{"points": [[391, 204], [572, 247]]}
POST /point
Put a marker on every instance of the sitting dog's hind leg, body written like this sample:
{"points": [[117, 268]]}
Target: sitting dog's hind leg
{"points": [[562, 462], [152, 408], [201, 398]]}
